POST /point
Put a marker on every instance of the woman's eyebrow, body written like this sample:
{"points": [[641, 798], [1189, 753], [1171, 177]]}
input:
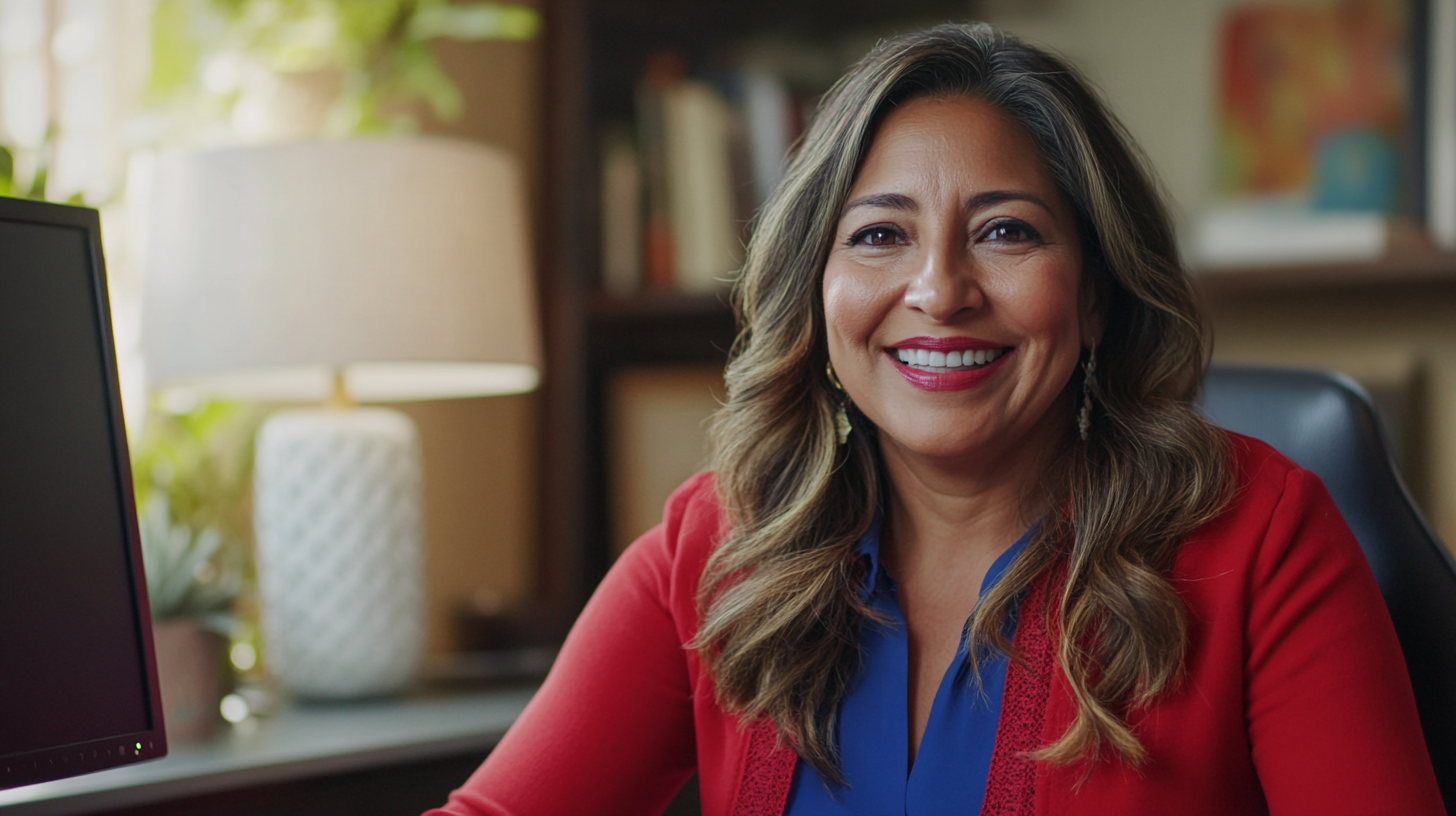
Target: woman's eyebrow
{"points": [[993, 197], [893, 201]]}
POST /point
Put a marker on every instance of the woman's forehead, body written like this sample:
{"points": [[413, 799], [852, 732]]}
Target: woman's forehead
{"points": [[950, 145]]}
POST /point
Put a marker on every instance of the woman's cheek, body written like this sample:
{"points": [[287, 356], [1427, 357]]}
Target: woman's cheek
{"points": [[852, 302], [1041, 299]]}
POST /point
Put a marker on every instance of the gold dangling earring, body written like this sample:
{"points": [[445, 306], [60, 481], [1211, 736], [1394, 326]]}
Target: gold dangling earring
{"points": [[1084, 416], [841, 415]]}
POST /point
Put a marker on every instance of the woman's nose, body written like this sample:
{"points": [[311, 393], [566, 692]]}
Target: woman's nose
{"points": [[944, 284]]}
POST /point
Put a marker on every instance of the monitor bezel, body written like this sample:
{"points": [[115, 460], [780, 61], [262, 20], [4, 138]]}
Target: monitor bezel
{"points": [[46, 764]]}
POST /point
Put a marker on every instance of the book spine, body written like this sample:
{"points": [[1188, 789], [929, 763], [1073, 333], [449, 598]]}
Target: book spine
{"points": [[658, 253], [1441, 125], [621, 213], [769, 109], [697, 126]]}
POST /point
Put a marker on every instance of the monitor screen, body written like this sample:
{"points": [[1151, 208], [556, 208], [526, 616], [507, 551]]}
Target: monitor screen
{"points": [[78, 685]]}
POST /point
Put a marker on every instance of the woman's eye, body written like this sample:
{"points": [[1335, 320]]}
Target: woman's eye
{"points": [[1013, 232], [875, 236]]}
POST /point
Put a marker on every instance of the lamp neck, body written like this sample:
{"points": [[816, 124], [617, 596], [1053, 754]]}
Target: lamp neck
{"points": [[339, 398]]}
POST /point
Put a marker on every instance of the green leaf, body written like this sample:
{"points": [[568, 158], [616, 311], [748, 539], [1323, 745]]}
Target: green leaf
{"points": [[37, 189], [187, 572], [175, 50], [7, 166], [476, 21], [420, 73], [366, 21], [378, 46]]}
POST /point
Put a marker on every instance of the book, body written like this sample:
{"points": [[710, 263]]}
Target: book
{"points": [[664, 71], [1271, 233], [1441, 124], [769, 111], [697, 126], [621, 213]]}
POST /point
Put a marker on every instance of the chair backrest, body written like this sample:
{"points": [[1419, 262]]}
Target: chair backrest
{"points": [[1325, 422]]}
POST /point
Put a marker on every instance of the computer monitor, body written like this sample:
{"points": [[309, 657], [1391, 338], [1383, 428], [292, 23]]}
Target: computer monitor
{"points": [[78, 679]]}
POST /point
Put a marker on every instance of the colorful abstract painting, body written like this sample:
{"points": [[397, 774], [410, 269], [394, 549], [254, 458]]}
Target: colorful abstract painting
{"points": [[1312, 103]]}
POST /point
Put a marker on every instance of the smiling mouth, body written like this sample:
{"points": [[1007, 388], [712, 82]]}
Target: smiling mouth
{"points": [[941, 361]]}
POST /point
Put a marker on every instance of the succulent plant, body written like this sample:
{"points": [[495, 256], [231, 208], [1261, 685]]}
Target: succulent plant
{"points": [[188, 573]]}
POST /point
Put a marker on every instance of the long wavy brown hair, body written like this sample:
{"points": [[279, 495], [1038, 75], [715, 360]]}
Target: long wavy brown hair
{"points": [[780, 605]]}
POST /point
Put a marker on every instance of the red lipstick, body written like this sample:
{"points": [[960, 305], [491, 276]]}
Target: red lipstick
{"points": [[947, 380]]}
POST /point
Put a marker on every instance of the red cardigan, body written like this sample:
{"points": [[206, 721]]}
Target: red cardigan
{"points": [[1296, 699]]}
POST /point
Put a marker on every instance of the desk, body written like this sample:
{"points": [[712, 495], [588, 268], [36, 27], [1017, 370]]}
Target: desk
{"points": [[311, 758]]}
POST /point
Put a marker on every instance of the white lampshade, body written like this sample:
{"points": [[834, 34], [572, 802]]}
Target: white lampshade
{"points": [[402, 262]]}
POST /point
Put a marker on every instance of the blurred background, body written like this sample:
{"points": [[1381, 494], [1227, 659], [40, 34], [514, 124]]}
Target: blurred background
{"points": [[1308, 148]]}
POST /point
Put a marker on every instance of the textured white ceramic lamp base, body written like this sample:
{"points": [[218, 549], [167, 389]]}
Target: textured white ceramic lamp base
{"points": [[340, 567]]}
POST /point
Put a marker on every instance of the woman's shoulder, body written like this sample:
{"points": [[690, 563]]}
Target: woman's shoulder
{"points": [[693, 517], [1263, 480], [1276, 508], [1256, 463]]}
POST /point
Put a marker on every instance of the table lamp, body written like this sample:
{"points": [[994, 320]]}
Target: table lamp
{"points": [[336, 272]]}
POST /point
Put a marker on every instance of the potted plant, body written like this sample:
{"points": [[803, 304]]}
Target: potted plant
{"points": [[192, 592], [192, 472]]}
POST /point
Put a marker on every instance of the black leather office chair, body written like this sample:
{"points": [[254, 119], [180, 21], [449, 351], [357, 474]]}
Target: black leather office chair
{"points": [[1326, 423]]}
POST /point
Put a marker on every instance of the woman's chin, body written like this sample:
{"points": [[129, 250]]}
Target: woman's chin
{"points": [[939, 445]]}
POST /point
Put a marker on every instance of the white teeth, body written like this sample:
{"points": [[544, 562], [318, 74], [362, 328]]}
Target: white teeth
{"points": [[954, 359]]}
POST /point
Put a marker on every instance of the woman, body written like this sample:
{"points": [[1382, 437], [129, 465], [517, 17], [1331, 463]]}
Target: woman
{"points": [[967, 547]]}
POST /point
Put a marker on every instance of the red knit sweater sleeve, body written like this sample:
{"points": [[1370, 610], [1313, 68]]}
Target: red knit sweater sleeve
{"points": [[611, 730], [1331, 719]]}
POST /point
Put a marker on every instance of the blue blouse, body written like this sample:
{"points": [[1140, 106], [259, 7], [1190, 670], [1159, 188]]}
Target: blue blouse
{"points": [[949, 775]]}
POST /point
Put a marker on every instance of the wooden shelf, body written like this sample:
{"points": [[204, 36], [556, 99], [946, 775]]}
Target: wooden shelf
{"points": [[658, 328], [657, 304], [1223, 283], [1410, 259]]}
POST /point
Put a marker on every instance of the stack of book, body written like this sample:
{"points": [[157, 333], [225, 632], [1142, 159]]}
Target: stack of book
{"points": [[680, 183]]}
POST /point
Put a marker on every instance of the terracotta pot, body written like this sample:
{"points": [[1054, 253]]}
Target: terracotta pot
{"points": [[191, 664]]}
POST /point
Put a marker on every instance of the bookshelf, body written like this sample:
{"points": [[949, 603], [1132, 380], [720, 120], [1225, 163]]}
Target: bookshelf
{"points": [[595, 54]]}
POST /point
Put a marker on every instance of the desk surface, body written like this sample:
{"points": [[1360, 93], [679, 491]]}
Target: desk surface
{"points": [[299, 742]]}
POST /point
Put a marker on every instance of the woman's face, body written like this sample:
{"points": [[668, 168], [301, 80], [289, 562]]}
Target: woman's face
{"points": [[952, 295]]}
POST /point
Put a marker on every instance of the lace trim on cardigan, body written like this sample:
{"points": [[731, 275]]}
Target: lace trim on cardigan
{"points": [[1011, 781], [768, 772]]}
